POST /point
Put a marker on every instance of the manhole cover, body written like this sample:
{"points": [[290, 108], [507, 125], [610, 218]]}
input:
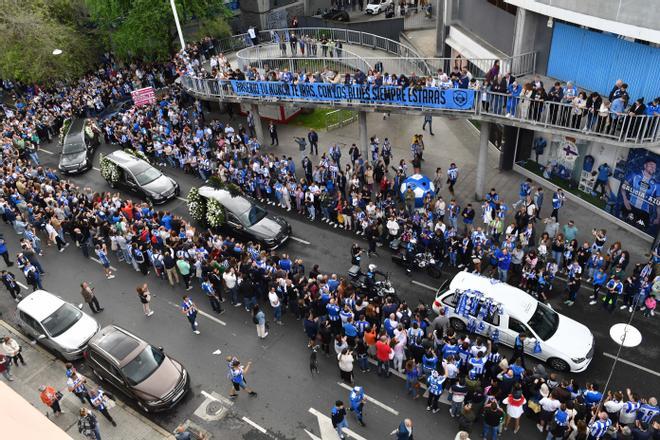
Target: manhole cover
{"points": [[213, 408]]}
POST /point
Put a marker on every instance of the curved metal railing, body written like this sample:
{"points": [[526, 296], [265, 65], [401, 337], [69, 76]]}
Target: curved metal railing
{"points": [[272, 56]]}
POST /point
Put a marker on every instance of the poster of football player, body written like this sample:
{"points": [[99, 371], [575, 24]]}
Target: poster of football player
{"points": [[638, 201]]}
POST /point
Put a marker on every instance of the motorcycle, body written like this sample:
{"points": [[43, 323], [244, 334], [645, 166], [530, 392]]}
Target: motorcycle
{"points": [[421, 261], [380, 287]]}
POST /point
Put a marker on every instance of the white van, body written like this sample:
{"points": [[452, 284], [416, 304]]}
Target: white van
{"points": [[566, 345]]}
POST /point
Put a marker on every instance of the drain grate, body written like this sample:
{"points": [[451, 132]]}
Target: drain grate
{"points": [[213, 408]]}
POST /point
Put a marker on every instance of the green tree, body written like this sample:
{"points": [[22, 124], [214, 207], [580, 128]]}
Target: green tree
{"points": [[30, 33], [145, 28]]}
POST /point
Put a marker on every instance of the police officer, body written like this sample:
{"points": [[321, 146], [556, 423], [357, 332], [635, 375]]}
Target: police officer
{"points": [[357, 399]]}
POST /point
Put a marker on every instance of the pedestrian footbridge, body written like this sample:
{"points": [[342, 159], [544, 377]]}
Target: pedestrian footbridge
{"points": [[366, 52]]}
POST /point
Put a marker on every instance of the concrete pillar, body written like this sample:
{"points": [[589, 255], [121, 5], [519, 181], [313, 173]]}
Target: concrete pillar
{"points": [[442, 22], [482, 161], [258, 127], [364, 137], [307, 7]]}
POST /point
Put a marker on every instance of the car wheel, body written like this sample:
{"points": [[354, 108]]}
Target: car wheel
{"points": [[457, 324], [142, 406], [558, 364]]}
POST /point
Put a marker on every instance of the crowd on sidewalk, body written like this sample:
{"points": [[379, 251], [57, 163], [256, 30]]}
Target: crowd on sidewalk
{"points": [[361, 196]]}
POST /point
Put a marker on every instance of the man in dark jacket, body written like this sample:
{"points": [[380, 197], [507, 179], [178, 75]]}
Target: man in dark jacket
{"points": [[338, 414], [405, 431], [313, 138]]}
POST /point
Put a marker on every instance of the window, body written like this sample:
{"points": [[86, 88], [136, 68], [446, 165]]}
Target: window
{"points": [[62, 320], [143, 365], [450, 300], [493, 319], [502, 4], [517, 326], [544, 321], [101, 361], [32, 323], [129, 178], [232, 218]]}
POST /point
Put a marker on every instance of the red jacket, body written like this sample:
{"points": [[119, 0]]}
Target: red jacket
{"points": [[383, 351]]}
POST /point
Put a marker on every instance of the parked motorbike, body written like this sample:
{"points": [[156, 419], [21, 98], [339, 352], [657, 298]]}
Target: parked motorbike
{"points": [[421, 261], [381, 285]]}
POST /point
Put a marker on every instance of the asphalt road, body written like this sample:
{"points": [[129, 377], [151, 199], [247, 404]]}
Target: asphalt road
{"points": [[280, 373]]}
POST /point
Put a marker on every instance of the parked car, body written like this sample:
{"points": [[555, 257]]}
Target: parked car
{"points": [[138, 369], [336, 15], [566, 345], [136, 175], [55, 323], [78, 146], [247, 220], [115, 108], [377, 6]]}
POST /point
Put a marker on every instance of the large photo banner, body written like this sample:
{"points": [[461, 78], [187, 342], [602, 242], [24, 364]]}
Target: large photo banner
{"points": [[638, 201], [451, 99]]}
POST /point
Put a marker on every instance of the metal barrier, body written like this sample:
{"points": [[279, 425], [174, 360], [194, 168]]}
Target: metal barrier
{"points": [[503, 108], [566, 116], [315, 59]]}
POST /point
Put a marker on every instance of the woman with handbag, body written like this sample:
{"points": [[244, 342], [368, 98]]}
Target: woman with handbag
{"points": [[13, 350], [145, 298], [51, 398]]}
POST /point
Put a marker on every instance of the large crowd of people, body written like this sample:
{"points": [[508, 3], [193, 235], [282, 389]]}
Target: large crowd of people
{"points": [[360, 196]]}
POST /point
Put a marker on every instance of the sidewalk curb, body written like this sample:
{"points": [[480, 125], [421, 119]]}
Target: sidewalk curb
{"points": [[162, 431]]}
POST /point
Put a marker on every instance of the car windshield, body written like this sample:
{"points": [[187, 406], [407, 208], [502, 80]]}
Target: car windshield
{"points": [[143, 365], [544, 322], [253, 215], [61, 320], [148, 175], [72, 148]]}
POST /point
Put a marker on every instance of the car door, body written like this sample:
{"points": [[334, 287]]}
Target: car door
{"points": [[36, 331], [515, 328], [130, 183], [235, 226], [490, 322], [108, 372]]}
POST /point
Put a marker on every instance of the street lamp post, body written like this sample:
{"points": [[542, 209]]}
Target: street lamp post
{"points": [[178, 25]]}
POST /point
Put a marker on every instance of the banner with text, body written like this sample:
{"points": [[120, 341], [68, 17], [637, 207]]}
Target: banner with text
{"points": [[452, 99]]}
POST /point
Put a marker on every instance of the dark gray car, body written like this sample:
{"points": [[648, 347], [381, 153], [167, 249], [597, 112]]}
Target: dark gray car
{"points": [[80, 142], [141, 178]]}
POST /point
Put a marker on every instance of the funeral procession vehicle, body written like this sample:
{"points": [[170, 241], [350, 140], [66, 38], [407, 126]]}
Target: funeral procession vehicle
{"points": [[55, 323], [502, 312], [226, 208], [130, 172], [80, 141], [141, 371]]}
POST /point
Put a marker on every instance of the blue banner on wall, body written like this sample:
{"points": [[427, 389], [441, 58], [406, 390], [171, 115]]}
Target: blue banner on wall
{"points": [[452, 99]]}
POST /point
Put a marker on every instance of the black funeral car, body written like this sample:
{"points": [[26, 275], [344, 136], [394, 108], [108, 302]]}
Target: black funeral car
{"points": [[139, 177], [246, 220], [78, 146]]}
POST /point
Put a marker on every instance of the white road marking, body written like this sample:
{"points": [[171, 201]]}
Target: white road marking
{"points": [[299, 240], [426, 286], [208, 396], [99, 261], [327, 431], [21, 284], [372, 400], [182, 199], [97, 169], [203, 313], [632, 364], [254, 425], [312, 436], [46, 151]]}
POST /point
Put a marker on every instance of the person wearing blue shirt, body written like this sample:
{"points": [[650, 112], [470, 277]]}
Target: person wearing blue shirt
{"points": [[558, 429], [514, 91], [525, 190], [503, 264], [600, 277], [592, 396], [357, 399], [647, 411], [599, 427], [435, 382], [333, 316], [558, 198], [429, 362], [604, 173], [614, 289]]}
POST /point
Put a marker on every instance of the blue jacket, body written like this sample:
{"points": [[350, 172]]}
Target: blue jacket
{"points": [[402, 433]]}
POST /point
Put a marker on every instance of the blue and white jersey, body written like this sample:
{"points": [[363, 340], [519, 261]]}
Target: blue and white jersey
{"points": [[333, 312], [435, 384], [477, 365], [615, 285], [237, 374], [207, 288], [188, 307], [102, 256], [557, 200], [361, 326], [525, 189], [642, 192], [598, 428], [452, 174], [356, 397], [646, 412], [630, 407]]}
